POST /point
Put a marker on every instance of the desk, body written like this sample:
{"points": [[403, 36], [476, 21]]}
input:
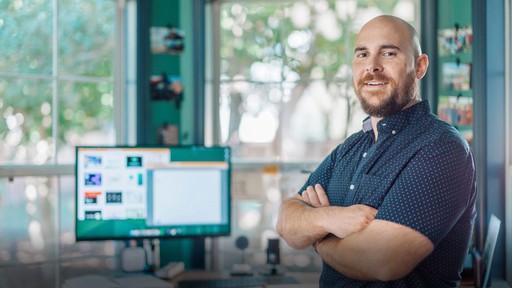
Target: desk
{"points": [[306, 279]]}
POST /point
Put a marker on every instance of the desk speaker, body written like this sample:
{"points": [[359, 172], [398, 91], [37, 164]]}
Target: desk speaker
{"points": [[273, 253]]}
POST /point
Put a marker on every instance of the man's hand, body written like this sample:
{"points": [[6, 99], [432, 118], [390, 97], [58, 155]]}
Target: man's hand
{"points": [[345, 220], [315, 196], [351, 219]]}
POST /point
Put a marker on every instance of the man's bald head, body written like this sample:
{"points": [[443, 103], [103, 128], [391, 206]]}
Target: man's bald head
{"points": [[398, 25]]}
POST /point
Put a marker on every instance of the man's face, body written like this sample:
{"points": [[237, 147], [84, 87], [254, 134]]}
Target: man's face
{"points": [[384, 70]]}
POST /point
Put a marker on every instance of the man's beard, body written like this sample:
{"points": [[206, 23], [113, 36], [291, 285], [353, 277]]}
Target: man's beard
{"points": [[390, 104]]}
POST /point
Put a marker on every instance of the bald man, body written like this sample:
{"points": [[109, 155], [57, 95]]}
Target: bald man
{"points": [[394, 205]]}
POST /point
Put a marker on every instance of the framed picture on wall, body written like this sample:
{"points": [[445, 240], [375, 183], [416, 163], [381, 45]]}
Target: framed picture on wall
{"points": [[455, 40], [456, 76], [166, 40], [456, 110], [166, 87]]}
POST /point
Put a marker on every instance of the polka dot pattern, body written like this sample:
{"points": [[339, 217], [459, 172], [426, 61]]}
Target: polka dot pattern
{"points": [[420, 173]]}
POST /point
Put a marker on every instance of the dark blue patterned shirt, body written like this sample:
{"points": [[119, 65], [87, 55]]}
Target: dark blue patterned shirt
{"points": [[421, 174]]}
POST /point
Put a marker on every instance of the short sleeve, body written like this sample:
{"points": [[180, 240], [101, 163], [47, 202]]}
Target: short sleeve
{"points": [[433, 190]]}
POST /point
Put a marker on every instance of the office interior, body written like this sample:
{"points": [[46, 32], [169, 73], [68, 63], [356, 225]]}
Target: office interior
{"points": [[269, 79]]}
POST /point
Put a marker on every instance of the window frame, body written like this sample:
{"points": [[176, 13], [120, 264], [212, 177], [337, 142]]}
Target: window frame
{"points": [[508, 140]]}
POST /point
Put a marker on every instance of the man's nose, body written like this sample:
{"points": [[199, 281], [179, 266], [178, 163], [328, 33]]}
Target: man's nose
{"points": [[374, 65]]}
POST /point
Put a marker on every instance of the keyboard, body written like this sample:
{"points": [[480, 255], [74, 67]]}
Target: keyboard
{"points": [[237, 282]]}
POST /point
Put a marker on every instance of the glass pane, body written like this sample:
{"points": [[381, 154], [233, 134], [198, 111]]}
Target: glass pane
{"points": [[86, 37], [25, 36], [318, 116], [26, 123], [86, 117], [250, 40], [250, 119], [258, 195], [296, 55], [317, 38], [35, 233], [28, 228]]}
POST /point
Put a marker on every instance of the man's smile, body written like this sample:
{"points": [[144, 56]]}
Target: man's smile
{"points": [[374, 83]]}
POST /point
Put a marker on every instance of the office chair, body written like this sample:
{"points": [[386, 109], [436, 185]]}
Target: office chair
{"points": [[483, 263]]}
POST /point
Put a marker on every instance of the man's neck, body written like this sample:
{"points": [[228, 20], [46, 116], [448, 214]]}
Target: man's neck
{"points": [[374, 121]]}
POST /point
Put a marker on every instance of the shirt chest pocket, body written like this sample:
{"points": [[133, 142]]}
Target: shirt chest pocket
{"points": [[372, 190]]}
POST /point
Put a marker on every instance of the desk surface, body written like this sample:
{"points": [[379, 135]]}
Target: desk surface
{"points": [[306, 279]]}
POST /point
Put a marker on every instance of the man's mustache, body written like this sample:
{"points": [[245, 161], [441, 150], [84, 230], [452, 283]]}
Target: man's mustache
{"points": [[374, 77]]}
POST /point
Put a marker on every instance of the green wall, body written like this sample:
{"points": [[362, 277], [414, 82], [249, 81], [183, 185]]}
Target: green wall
{"points": [[164, 13], [454, 11], [179, 14], [188, 117]]}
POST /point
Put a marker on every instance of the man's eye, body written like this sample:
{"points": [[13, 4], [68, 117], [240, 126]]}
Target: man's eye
{"points": [[361, 55], [389, 53]]}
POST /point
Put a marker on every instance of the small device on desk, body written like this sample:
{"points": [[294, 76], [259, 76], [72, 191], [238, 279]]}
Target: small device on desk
{"points": [[273, 258], [170, 270], [241, 269]]}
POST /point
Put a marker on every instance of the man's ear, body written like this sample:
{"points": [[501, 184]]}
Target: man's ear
{"points": [[421, 66]]}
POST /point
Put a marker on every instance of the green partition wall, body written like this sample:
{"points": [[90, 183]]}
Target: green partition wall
{"points": [[186, 115]]}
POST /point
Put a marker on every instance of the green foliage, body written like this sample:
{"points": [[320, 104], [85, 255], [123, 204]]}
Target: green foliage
{"points": [[294, 44], [86, 42], [259, 32]]}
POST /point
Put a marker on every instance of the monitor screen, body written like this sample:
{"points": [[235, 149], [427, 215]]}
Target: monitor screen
{"points": [[127, 192]]}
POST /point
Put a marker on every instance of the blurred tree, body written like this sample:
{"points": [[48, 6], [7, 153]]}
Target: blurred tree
{"points": [[79, 68], [304, 41]]}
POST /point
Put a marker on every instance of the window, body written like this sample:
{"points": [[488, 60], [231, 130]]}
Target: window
{"points": [[284, 81], [281, 96], [58, 87], [56, 78]]}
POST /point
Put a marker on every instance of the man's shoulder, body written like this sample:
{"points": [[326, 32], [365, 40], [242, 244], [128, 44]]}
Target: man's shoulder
{"points": [[352, 140], [440, 136], [437, 130]]}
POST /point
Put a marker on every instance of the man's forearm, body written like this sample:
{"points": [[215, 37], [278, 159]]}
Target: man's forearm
{"points": [[384, 251], [298, 223], [351, 263], [306, 218]]}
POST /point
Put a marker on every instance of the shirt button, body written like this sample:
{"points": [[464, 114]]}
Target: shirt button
{"points": [[393, 132], [364, 154], [352, 186]]}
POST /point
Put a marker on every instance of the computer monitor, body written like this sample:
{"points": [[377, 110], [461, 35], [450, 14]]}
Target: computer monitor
{"points": [[127, 192]]}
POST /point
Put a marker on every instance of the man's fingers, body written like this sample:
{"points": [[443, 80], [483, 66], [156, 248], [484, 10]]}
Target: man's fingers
{"points": [[310, 197], [313, 197], [322, 196], [305, 197]]}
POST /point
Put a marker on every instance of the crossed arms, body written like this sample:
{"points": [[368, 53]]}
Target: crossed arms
{"points": [[349, 239]]}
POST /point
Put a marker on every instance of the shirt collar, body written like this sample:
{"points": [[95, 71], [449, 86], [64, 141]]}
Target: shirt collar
{"points": [[400, 120], [367, 124]]}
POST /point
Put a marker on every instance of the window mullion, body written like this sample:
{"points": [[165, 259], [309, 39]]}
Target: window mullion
{"points": [[55, 99]]}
